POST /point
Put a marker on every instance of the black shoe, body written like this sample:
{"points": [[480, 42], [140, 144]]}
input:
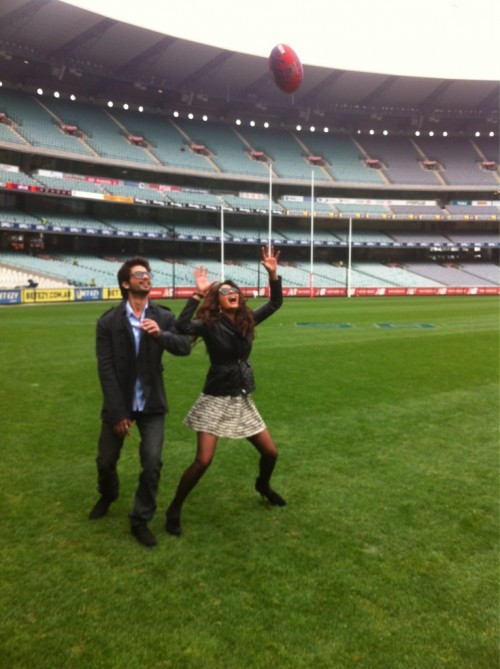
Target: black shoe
{"points": [[266, 491], [100, 508], [144, 535], [173, 524]]}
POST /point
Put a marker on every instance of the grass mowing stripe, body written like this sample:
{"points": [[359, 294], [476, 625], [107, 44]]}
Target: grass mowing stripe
{"points": [[386, 555]]}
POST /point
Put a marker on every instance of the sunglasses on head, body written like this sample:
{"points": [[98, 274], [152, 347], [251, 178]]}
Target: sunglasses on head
{"points": [[141, 275], [228, 290]]}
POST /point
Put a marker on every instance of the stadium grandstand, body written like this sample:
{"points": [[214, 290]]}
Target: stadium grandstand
{"points": [[366, 182]]}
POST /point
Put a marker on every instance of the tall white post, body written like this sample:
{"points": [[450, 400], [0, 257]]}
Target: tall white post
{"points": [[222, 244], [269, 235], [349, 257], [311, 270]]}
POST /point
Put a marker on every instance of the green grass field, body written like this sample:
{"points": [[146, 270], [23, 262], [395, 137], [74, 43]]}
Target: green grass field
{"points": [[385, 412]]}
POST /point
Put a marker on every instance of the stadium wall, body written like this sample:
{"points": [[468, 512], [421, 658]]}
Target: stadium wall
{"points": [[58, 295]]}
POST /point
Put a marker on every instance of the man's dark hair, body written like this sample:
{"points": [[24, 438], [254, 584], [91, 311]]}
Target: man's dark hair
{"points": [[125, 271]]}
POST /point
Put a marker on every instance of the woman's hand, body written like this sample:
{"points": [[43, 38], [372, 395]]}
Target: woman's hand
{"points": [[270, 261], [201, 279]]}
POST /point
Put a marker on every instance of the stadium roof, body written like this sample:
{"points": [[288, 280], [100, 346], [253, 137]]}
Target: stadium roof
{"points": [[60, 47]]}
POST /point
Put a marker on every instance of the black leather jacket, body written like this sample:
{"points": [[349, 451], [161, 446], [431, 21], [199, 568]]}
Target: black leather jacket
{"points": [[119, 367], [230, 371]]}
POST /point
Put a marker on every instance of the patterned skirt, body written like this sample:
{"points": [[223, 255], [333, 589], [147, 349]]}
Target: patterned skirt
{"points": [[232, 417]]}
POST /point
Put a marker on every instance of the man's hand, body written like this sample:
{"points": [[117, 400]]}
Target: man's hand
{"points": [[123, 427], [151, 328]]}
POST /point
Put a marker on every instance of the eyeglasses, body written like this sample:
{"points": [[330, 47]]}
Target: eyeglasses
{"points": [[141, 275], [227, 290]]}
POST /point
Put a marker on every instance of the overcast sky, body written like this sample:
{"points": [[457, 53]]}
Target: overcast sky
{"points": [[453, 39]]}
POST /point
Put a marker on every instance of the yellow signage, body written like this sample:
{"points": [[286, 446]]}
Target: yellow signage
{"points": [[111, 294], [48, 295]]}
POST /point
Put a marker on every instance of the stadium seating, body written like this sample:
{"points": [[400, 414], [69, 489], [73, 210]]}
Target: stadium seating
{"points": [[102, 133], [36, 125], [59, 269], [459, 160], [209, 157], [344, 158], [165, 141], [106, 133], [400, 161], [287, 156]]}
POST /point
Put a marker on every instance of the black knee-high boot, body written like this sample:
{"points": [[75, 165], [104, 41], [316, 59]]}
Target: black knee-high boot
{"points": [[266, 467], [188, 481]]}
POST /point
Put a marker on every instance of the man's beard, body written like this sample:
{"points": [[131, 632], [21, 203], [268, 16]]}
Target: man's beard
{"points": [[140, 292]]}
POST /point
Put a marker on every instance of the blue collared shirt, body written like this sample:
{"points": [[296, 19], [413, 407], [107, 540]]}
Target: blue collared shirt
{"points": [[135, 323]]}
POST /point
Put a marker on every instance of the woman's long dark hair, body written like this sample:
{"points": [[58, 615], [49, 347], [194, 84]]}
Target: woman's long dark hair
{"points": [[209, 310]]}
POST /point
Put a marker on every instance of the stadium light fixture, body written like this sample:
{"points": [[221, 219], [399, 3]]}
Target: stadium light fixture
{"points": [[445, 134], [266, 124], [385, 132], [205, 117], [477, 134], [141, 108], [176, 114], [110, 104], [190, 116], [125, 106], [372, 132], [417, 133], [326, 129], [72, 97], [492, 134], [57, 94], [252, 124], [312, 129], [39, 91], [431, 133], [298, 128], [238, 121]]}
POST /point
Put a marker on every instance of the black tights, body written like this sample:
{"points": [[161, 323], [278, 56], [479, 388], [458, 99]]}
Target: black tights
{"points": [[205, 452]]}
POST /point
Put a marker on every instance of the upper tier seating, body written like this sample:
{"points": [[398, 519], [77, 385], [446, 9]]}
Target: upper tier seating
{"points": [[400, 160], [227, 150], [288, 157], [165, 141], [35, 123], [459, 159], [111, 134], [344, 159], [101, 132]]}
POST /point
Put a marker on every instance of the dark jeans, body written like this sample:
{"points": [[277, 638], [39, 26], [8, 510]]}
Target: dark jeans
{"points": [[151, 428]]}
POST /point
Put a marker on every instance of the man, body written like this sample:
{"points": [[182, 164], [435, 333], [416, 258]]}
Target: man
{"points": [[131, 339]]}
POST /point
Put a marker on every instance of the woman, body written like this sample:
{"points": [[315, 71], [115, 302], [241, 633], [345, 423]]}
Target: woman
{"points": [[225, 408]]}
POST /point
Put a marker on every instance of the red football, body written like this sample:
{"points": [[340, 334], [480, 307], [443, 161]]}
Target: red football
{"points": [[286, 68]]}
